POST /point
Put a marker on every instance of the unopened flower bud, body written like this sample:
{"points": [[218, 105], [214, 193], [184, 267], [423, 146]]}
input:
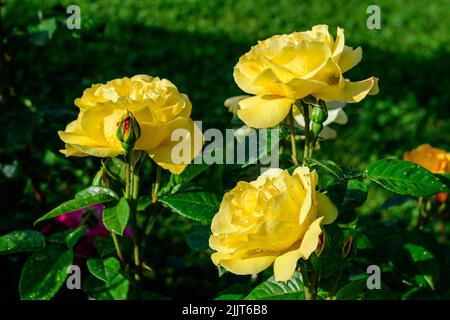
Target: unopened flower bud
{"points": [[318, 116], [347, 246], [320, 244], [128, 131], [319, 113]]}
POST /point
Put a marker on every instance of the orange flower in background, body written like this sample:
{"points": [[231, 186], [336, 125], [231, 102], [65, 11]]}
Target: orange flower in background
{"points": [[433, 159]]}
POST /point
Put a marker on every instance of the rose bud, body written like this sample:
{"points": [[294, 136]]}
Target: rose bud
{"points": [[128, 131], [318, 116]]}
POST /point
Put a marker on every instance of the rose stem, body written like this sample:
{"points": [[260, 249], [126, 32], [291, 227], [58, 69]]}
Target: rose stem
{"points": [[305, 280], [293, 144], [118, 251], [155, 187], [306, 117], [131, 194]]}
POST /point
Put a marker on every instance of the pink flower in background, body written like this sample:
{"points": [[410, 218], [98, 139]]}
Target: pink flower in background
{"points": [[85, 246], [73, 220]]}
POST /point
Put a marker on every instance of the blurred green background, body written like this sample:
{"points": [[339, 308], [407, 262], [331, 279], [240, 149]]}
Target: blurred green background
{"points": [[195, 43]]}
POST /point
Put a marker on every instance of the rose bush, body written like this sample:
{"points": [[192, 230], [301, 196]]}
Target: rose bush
{"points": [[304, 220]]}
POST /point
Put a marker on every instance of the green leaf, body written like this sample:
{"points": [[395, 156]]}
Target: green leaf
{"points": [[97, 289], [279, 290], [425, 263], [116, 217], [197, 205], [43, 32], [221, 271], [404, 177], [352, 291], [327, 165], [420, 293], [143, 202], [21, 241], [198, 239], [44, 273], [69, 238], [96, 190], [105, 246], [418, 253], [190, 173], [106, 270], [445, 178], [86, 198], [176, 182], [115, 168], [355, 195]]}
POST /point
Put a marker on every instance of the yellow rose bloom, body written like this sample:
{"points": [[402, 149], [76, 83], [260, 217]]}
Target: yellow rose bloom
{"points": [[155, 103], [433, 159], [275, 219], [284, 68]]}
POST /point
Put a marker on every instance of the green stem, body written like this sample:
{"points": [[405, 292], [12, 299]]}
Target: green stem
{"points": [[131, 194], [313, 285], [335, 285], [118, 250], [306, 152], [306, 283], [422, 218], [292, 129], [155, 188]]}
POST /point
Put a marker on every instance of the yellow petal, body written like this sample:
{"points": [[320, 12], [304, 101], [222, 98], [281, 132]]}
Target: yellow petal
{"points": [[322, 34], [72, 138], [270, 82], [153, 136], [215, 244], [284, 265], [192, 141], [270, 173], [350, 58], [71, 151], [309, 181], [100, 152], [328, 73], [339, 43], [350, 92], [305, 57], [270, 236], [92, 122], [232, 103], [247, 266], [326, 209], [264, 111], [300, 88], [311, 238], [295, 88], [244, 74]]}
